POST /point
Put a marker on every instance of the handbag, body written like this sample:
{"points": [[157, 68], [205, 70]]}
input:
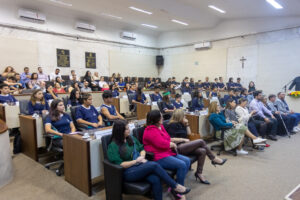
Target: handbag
{"points": [[149, 156]]}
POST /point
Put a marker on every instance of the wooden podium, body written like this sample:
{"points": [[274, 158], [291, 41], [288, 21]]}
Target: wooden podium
{"points": [[142, 110]]}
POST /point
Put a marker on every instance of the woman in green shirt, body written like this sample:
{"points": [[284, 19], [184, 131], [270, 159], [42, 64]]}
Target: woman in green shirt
{"points": [[128, 152]]}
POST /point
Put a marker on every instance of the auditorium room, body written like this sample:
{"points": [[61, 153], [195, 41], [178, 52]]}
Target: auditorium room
{"points": [[149, 99]]}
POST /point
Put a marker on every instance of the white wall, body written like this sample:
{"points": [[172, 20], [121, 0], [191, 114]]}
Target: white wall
{"points": [[273, 58]]}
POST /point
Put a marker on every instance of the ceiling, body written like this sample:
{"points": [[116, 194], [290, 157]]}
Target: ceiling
{"points": [[194, 12]]}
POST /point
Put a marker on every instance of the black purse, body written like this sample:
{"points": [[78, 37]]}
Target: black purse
{"points": [[149, 156]]}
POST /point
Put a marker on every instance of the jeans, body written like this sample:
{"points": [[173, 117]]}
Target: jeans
{"points": [[257, 127], [198, 148], [152, 172], [296, 116], [179, 163]]}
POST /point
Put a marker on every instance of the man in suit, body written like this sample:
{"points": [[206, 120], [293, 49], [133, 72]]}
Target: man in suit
{"points": [[283, 107], [296, 82], [287, 118]]}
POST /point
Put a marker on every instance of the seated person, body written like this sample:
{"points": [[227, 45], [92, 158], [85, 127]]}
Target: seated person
{"points": [[192, 83], [206, 84], [163, 148], [114, 91], [107, 109], [167, 105], [49, 94], [228, 96], [215, 84], [263, 114], [246, 95], [288, 120], [177, 102], [150, 83], [179, 129], [5, 97], [257, 127], [58, 122], [199, 85], [87, 114], [157, 83], [214, 92], [283, 107], [136, 167], [102, 82], [140, 97], [96, 76], [156, 95], [59, 80], [37, 103], [197, 101], [75, 98], [105, 87], [86, 87], [58, 89], [251, 87], [230, 84], [75, 85], [121, 83], [221, 85], [34, 83], [238, 84], [186, 88], [132, 89], [233, 133], [15, 88], [237, 95]]}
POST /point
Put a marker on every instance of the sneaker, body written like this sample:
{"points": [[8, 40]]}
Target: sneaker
{"points": [[295, 129], [259, 140], [298, 128], [241, 152], [267, 145]]}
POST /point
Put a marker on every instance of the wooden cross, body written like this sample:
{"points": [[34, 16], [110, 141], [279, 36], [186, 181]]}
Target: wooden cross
{"points": [[243, 59]]}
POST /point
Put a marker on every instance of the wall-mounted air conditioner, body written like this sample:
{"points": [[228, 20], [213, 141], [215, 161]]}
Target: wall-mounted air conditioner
{"points": [[85, 27], [128, 36], [31, 15], [203, 45]]}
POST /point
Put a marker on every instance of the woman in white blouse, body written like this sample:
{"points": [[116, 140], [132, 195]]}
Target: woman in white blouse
{"points": [[102, 82], [255, 126]]}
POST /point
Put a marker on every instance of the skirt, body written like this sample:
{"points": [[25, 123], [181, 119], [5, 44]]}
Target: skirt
{"points": [[233, 137]]}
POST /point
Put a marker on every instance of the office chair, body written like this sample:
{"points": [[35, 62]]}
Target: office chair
{"points": [[132, 106], [166, 116], [115, 186], [23, 104], [79, 127]]}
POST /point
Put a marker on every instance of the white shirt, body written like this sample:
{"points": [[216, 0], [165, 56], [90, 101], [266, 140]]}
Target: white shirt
{"points": [[243, 114], [53, 76], [101, 83]]}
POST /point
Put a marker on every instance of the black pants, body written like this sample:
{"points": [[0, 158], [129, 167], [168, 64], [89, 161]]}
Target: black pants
{"points": [[257, 127], [271, 126], [58, 143]]}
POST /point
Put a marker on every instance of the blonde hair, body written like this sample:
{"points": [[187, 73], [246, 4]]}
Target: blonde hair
{"points": [[213, 108], [177, 116]]}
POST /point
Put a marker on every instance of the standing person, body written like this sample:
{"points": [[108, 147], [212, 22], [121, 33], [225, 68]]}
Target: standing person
{"points": [[25, 76], [163, 149], [263, 114], [179, 130], [37, 103], [126, 151], [283, 107], [87, 113], [58, 122], [41, 75], [55, 74]]}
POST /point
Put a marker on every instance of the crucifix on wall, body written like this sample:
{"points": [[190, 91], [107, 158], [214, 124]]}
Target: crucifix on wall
{"points": [[243, 59]]}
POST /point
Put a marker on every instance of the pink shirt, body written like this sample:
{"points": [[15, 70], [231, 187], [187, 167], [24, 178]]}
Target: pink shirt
{"points": [[158, 142]]}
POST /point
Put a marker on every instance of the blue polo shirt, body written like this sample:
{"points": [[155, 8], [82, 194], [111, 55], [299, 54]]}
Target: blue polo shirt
{"points": [[115, 93], [48, 96], [88, 114], [142, 100], [111, 109], [220, 85], [196, 105], [7, 98], [62, 125], [37, 107], [167, 106], [177, 105], [156, 97]]}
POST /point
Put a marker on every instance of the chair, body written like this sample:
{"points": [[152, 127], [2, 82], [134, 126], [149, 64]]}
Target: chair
{"points": [[24, 107], [27, 91], [114, 184], [79, 127], [49, 83], [65, 77], [65, 100], [55, 149], [106, 78], [141, 79], [132, 107], [166, 116]]}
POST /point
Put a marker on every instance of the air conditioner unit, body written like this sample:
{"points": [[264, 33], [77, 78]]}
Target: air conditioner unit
{"points": [[85, 27], [203, 45], [128, 36], [32, 15]]}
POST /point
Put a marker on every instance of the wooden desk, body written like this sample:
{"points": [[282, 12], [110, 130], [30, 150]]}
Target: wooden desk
{"points": [[83, 161], [116, 103], [142, 110], [193, 122], [32, 132], [10, 115]]}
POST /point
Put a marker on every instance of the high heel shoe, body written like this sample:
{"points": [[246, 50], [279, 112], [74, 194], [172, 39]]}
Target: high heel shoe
{"points": [[201, 181], [215, 163], [187, 190]]}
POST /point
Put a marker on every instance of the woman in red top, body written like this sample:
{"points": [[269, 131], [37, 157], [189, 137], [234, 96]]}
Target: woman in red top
{"points": [[157, 140], [58, 89]]}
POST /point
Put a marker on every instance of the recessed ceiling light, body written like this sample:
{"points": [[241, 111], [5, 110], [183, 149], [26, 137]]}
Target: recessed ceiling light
{"points": [[180, 22], [274, 4], [140, 10], [217, 9], [61, 3], [112, 16], [150, 26]]}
